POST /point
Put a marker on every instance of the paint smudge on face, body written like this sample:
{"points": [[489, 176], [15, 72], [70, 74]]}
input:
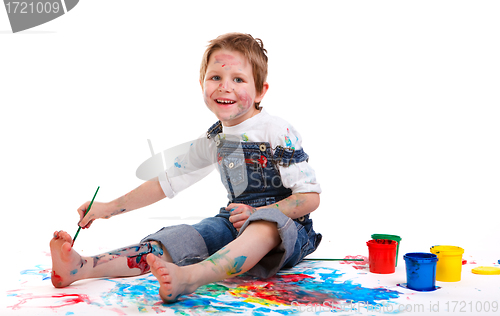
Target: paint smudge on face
{"points": [[226, 60], [73, 272], [246, 101]]}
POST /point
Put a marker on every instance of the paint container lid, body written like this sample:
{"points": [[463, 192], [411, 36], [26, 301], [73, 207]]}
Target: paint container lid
{"points": [[422, 257], [447, 250], [385, 236], [382, 243], [486, 270]]}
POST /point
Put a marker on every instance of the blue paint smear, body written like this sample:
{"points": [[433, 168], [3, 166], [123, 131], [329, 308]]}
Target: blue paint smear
{"points": [[319, 285], [40, 270], [74, 272]]}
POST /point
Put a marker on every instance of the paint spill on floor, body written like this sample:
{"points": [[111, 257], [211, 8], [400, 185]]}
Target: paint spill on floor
{"points": [[286, 293], [308, 284], [39, 271], [359, 265]]}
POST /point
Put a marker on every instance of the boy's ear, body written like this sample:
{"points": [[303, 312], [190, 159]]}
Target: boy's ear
{"points": [[265, 87], [201, 84]]}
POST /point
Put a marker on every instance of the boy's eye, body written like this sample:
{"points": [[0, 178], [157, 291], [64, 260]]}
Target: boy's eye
{"points": [[238, 80], [215, 78]]}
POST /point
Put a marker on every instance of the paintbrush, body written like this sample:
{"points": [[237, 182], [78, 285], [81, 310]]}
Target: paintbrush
{"points": [[86, 212], [328, 259]]}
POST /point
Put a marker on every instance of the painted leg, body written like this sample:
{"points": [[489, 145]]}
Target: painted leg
{"points": [[236, 258], [68, 266]]}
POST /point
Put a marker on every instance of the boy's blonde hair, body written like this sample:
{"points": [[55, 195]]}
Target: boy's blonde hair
{"points": [[251, 48]]}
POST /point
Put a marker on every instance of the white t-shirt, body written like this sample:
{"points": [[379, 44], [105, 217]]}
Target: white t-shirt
{"points": [[201, 158]]}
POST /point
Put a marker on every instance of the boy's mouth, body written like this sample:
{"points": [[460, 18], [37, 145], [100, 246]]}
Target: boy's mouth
{"points": [[223, 101]]}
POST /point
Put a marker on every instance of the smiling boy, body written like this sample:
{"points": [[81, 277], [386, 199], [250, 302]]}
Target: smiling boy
{"points": [[271, 190], [229, 89]]}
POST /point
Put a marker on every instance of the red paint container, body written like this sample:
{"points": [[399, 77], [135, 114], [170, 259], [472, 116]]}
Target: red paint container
{"points": [[382, 255]]}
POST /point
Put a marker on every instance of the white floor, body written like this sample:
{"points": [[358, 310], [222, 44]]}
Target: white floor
{"points": [[397, 103]]}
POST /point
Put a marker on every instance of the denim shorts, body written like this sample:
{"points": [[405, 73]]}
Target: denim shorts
{"points": [[189, 244]]}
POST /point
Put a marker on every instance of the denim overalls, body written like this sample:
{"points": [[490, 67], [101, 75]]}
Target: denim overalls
{"points": [[250, 173]]}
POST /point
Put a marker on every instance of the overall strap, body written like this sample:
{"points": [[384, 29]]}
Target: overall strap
{"points": [[285, 156], [214, 130]]}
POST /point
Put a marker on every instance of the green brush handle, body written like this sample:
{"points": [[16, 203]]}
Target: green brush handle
{"points": [[86, 212]]}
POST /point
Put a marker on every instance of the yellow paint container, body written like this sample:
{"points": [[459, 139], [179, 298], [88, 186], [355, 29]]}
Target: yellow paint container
{"points": [[449, 265]]}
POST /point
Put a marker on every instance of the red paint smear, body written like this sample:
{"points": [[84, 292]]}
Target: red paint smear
{"points": [[120, 312], [56, 279], [142, 264], [158, 310], [277, 290], [72, 299], [262, 161], [357, 264]]}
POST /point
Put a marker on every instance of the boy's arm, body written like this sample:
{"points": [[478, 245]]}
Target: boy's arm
{"points": [[297, 205], [147, 193], [294, 206]]}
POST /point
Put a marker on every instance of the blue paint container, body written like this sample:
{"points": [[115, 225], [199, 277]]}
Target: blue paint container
{"points": [[421, 271]]}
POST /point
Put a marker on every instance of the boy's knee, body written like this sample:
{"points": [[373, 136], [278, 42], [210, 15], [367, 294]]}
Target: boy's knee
{"points": [[160, 251], [266, 230]]}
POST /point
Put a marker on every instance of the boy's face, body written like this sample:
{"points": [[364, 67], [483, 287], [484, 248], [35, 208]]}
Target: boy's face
{"points": [[229, 87]]}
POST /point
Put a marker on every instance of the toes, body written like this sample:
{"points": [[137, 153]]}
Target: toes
{"points": [[66, 247], [165, 278], [65, 236], [62, 235], [166, 293], [151, 259]]}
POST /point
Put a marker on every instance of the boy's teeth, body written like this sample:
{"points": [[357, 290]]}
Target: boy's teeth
{"points": [[225, 101]]}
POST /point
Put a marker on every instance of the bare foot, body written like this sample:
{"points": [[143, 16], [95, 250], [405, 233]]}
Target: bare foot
{"points": [[67, 264], [174, 281]]}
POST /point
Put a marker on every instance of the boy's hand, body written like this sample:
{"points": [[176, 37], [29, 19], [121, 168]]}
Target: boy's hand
{"points": [[97, 210], [239, 214]]}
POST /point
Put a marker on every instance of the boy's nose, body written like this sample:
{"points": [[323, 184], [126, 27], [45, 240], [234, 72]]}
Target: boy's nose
{"points": [[224, 86]]}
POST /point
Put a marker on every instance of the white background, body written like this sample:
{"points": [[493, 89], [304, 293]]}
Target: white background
{"points": [[397, 102]]}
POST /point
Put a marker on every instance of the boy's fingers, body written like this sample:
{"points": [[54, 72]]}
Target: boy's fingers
{"points": [[239, 224], [88, 225], [236, 208], [85, 222], [235, 218], [239, 217]]}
